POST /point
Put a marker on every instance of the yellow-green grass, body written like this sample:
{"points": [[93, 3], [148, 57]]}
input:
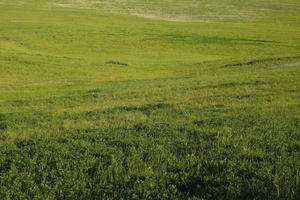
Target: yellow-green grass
{"points": [[99, 105]]}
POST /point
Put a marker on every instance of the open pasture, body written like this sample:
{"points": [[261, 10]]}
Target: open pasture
{"points": [[135, 99]]}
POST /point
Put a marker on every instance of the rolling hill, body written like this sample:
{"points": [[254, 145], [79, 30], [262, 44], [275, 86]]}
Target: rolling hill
{"points": [[159, 99]]}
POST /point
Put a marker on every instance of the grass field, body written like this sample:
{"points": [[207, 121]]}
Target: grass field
{"points": [[187, 100]]}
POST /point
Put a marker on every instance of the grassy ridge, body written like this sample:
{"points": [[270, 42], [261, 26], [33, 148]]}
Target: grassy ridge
{"points": [[196, 10], [96, 105]]}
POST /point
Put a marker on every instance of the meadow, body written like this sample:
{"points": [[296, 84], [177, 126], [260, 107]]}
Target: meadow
{"points": [[162, 99]]}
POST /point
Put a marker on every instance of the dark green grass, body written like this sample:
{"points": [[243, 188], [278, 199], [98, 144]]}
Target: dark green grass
{"points": [[96, 105], [223, 156]]}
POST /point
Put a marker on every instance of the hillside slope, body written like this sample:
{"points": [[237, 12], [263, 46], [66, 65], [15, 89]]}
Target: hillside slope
{"points": [[102, 105]]}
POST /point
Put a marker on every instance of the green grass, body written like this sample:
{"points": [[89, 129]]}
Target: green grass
{"points": [[100, 105]]}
